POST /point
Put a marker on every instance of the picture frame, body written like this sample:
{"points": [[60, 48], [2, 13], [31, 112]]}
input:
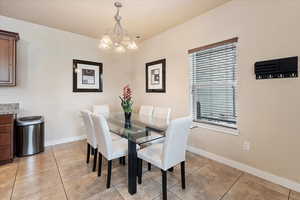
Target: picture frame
{"points": [[87, 76], [156, 76]]}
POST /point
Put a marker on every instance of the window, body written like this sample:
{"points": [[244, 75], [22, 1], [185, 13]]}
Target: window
{"points": [[213, 83]]}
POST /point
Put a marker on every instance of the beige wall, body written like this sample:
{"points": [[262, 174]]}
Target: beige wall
{"points": [[44, 77], [268, 109]]}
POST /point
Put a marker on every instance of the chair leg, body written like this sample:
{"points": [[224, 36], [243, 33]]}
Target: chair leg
{"points": [[99, 164], [88, 153], [140, 170], [108, 174], [182, 174], [171, 169], [93, 151], [164, 184], [149, 167], [95, 159], [124, 160]]}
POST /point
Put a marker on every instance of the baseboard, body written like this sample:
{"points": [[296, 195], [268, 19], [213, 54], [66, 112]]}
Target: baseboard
{"points": [[246, 168], [64, 140]]}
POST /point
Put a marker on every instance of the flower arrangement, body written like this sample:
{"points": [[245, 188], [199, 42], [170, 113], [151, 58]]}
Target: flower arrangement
{"points": [[126, 99]]}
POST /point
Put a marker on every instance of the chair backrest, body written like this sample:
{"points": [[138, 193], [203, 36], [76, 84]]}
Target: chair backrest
{"points": [[102, 135], [101, 109], [89, 127], [176, 141], [146, 110], [162, 113]]}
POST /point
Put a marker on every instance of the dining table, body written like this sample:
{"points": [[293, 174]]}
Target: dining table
{"points": [[141, 130]]}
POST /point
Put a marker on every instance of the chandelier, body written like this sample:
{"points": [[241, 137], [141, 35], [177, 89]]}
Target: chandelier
{"points": [[118, 38]]}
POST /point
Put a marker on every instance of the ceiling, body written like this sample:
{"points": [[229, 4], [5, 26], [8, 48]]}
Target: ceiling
{"points": [[93, 17]]}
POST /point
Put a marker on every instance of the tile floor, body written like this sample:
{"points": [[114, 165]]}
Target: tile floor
{"points": [[62, 173]]}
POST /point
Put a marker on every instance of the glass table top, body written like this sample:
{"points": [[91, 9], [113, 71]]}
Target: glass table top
{"points": [[142, 128]]}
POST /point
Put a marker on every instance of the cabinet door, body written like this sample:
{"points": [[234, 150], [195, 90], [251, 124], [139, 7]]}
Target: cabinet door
{"points": [[7, 61], [6, 138]]}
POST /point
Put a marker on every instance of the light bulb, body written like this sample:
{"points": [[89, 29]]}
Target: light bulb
{"points": [[132, 45], [103, 45], [120, 49], [106, 39]]}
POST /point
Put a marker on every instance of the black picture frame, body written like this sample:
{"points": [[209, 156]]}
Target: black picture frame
{"points": [[163, 65], [75, 87]]}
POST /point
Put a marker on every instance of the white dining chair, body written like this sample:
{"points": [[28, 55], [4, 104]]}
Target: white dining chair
{"points": [[91, 138], [101, 109], [146, 110], [162, 113], [159, 114], [107, 147], [168, 154], [104, 110]]}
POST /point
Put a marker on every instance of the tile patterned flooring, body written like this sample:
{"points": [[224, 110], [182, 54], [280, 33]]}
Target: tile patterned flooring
{"points": [[62, 173]]}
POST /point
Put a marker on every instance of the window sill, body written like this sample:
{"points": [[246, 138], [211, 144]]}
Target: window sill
{"points": [[216, 128]]}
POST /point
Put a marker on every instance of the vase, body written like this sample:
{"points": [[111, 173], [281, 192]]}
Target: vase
{"points": [[127, 119]]}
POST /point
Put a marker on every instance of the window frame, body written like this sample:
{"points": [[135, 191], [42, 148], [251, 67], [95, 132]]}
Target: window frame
{"points": [[218, 125]]}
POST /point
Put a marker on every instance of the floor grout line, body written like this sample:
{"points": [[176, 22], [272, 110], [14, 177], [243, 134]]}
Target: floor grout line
{"points": [[168, 189], [232, 186], [177, 196], [52, 152], [118, 192], [228, 191], [13, 187], [160, 192]]}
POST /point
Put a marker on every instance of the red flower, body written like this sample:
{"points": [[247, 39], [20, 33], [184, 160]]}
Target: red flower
{"points": [[126, 99], [127, 93]]}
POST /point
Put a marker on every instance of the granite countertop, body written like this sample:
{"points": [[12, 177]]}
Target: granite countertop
{"points": [[9, 108]]}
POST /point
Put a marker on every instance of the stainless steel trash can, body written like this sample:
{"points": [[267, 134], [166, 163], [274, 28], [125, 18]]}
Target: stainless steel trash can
{"points": [[30, 135]]}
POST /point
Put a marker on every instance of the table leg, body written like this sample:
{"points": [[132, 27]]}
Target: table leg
{"points": [[132, 167]]}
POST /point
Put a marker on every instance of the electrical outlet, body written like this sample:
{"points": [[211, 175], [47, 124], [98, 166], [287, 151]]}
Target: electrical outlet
{"points": [[246, 146]]}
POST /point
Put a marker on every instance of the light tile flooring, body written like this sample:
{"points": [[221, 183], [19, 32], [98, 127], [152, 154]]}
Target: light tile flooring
{"points": [[62, 173]]}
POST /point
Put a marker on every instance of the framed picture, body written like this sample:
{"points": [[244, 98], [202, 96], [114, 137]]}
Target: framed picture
{"points": [[87, 76], [156, 76]]}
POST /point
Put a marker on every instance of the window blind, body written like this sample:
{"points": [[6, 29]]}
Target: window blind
{"points": [[213, 83]]}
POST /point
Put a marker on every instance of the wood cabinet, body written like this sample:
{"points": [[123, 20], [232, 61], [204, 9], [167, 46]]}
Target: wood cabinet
{"points": [[8, 44], [6, 138]]}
